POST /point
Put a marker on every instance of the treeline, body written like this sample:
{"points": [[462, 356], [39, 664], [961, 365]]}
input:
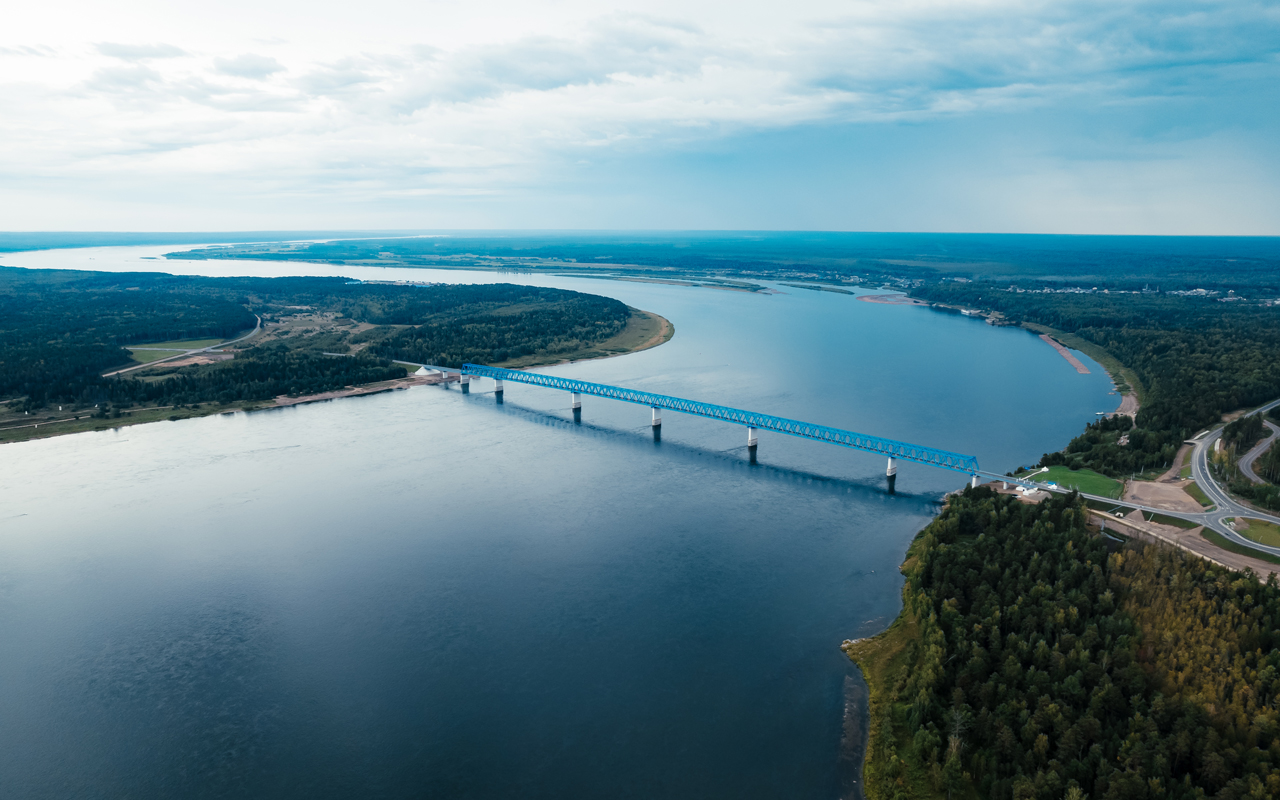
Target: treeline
{"points": [[60, 330], [527, 321], [1045, 667], [1242, 434], [1197, 357], [260, 373]]}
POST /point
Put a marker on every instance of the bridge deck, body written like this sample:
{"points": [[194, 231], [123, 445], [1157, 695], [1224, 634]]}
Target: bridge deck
{"points": [[807, 430]]}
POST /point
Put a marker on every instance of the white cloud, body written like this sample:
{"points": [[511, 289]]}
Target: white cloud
{"points": [[248, 65], [496, 97], [139, 52]]}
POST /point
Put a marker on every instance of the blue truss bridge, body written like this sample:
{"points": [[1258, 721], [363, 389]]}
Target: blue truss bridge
{"points": [[753, 420]]}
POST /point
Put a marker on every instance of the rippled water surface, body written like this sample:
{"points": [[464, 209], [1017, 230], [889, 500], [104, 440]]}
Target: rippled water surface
{"points": [[426, 594]]}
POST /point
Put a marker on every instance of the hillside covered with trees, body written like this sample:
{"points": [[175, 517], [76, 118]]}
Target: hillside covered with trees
{"points": [[1030, 662]]}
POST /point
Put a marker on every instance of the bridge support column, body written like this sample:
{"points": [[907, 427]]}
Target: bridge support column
{"points": [[577, 401], [465, 383], [497, 386], [657, 417], [891, 472], [973, 482]]}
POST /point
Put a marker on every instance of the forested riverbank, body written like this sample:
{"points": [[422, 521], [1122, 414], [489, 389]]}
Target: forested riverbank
{"points": [[1032, 661], [1198, 359], [63, 335]]}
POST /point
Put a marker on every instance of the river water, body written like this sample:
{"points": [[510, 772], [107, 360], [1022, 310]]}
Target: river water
{"points": [[431, 594]]}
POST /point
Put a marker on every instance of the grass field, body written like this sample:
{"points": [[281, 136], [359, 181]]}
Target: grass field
{"points": [[1227, 544], [183, 344], [1186, 472], [1198, 494], [1256, 530], [1084, 480], [144, 354], [1177, 522]]}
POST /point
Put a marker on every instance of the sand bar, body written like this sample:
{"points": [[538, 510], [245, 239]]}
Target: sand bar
{"points": [[1065, 353]]}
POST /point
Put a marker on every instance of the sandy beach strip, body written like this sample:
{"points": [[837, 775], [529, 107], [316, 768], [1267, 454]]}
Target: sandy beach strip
{"points": [[1065, 353], [891, 299]]}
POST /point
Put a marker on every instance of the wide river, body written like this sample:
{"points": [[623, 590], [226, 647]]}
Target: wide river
{"points": [[431, 594]]}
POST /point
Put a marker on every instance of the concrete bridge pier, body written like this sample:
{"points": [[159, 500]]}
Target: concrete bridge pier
{"points": [[465, 383], [657, 417], [891, 472], [752, 442], [577, 401], [973, 482], [497, 386]]}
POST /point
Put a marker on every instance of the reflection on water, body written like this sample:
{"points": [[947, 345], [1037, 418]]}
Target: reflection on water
{"points": [[425, 593]]}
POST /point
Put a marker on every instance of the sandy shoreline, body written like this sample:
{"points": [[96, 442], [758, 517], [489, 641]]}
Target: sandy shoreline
{"points": [[891, 299], [1065, 353]]}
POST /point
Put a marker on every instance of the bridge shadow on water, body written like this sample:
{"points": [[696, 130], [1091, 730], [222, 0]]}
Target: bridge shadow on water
{"points": [[643, 439]]}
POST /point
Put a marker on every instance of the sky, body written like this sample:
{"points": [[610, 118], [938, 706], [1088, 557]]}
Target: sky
{"points": [[1103, 117]]}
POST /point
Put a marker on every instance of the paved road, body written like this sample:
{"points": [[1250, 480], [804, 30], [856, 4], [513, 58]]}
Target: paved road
{"points": [[1246, 463], [186, 353], [1224, 507]]}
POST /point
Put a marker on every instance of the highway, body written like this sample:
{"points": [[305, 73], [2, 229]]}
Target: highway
{"points": [[1224, 506], [1246, 463]]}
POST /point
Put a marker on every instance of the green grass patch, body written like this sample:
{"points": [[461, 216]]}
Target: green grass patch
{"points": [[1198, 493], [1126, 380], [1256, 530], [1239, 549], [147, 356], [1084, 480], [1185, 524], [1185, 473], [183, 344]]}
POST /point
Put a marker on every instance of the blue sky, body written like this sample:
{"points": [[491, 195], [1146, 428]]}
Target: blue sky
{"points": [[1072, 117]]}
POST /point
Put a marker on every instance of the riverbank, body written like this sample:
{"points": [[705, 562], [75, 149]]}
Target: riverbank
{"points": [[1127, 382], [1019, 622], [644, 330]]}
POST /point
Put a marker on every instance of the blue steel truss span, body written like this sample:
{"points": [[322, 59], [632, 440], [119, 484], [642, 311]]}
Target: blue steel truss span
{"points": [[822, 433]]}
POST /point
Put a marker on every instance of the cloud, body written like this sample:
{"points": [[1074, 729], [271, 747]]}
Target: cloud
{"points": [[248, 65], [39, 51], [139, 52], [501, 110]]}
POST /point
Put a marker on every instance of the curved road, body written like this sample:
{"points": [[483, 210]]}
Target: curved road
{"points": [[1246, 463], [1225, 506], [186, 353]]}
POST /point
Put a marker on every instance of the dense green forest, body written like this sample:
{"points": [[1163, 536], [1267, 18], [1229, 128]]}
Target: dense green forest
{"points": [[1198, 358], [60, 330], [1042, 666]]}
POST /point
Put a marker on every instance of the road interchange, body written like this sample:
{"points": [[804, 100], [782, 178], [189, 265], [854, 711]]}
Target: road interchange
{"points": [[1225, 507]]}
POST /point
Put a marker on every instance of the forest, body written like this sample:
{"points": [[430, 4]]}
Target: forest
{"points": [[1032, 660], [1198, 359], [61, 330]]}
